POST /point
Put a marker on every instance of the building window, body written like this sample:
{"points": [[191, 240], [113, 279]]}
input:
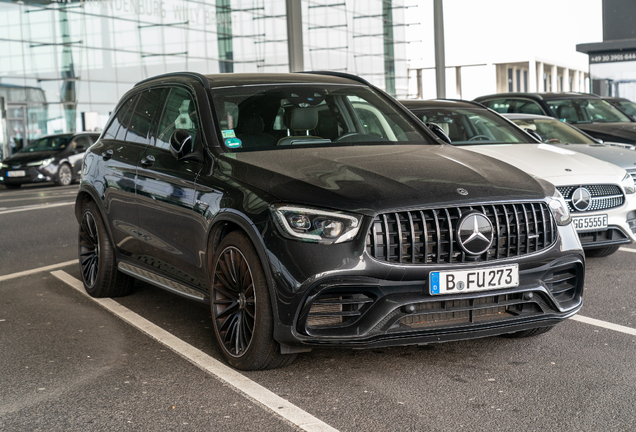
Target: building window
{"points": [[518, 80], [510, 79], [525, 81]]}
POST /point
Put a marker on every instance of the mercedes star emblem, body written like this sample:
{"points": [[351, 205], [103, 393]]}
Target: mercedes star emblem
{"points": [[475, 233], [462, 191], [581, 199]]}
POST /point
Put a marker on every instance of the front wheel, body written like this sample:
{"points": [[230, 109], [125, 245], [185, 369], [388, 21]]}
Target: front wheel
{"points": [[241, 307], [601, 252], [64, 175], [97, 260]]}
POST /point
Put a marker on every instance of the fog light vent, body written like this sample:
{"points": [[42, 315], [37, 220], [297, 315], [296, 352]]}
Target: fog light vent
{"points": [[336, 309]]}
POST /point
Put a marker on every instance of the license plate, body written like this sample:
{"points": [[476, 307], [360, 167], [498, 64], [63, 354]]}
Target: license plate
{"points": [[16, 173], [456, 282], [585, 223]]}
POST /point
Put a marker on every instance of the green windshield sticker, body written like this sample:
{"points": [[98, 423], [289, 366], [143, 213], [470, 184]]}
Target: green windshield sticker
{"points": [[233, 142], [228, 133]]}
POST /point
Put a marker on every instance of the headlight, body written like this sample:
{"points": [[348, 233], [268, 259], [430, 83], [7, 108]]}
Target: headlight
{"points": [[559, 209], [4, 165], [628, 184], [315, 226], [42, 163]]}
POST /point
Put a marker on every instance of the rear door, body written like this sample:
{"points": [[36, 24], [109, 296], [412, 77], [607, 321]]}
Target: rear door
{"points": [[169, 229]]}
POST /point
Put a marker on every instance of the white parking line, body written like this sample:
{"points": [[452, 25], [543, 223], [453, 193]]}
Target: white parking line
{"points": [[252, 390], [624, 249], [37, 270], [5, 210], [604, 324], [49, 196]]}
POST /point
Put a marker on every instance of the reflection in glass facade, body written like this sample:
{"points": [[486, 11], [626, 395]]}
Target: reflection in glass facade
{"points": [[64, 65]]}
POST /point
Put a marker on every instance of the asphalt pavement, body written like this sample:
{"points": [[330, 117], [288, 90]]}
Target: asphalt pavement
{"points": [[68, 364]]}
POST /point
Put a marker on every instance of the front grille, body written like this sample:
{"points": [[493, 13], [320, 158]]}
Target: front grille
{"points": [[603, 196], [467, 311], [428, 236], [336, 309]]}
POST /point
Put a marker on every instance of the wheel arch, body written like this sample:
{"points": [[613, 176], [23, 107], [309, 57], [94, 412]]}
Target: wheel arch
{"points": [[86, 194]]}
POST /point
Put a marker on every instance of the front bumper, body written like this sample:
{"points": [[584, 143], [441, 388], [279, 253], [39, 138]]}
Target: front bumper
{"points": [[374, 303], [621, 226], [32, 175]]}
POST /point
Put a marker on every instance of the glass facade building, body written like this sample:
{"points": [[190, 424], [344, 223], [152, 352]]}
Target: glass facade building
{"points": [[65, 64]]}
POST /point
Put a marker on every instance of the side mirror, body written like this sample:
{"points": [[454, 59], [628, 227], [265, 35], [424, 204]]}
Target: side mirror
{"points": [[439, 132], [533, 134], [180, 143]]}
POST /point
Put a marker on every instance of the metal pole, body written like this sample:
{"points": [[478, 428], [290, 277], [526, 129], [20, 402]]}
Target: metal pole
{"points": [[295, 36], [440, 62]]}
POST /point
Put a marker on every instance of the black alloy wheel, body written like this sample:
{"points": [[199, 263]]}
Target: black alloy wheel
{"points": [[64, 175], [241, 307], [89, 249], [96, 257], [234, 301]]}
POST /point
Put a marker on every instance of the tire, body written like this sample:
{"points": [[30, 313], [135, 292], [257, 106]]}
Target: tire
{"points": [[64, 175], [529, 333], [241, 307], [13, 186], [97, 259], [601, 252]]}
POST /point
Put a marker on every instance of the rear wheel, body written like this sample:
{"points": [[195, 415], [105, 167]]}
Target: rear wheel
{"points": [[64, 175], [601, 252], [529, 333], [241, 307], [97, 260]]}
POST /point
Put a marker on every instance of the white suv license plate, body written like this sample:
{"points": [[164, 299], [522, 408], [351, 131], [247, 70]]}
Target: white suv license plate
{"points": [[16, 173], [586, 223], [457, 282]]}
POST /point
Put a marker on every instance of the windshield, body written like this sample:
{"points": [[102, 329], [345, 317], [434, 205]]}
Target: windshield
{"points": [[553, 131], [473, 126], [47, 144], [586, 111], [628, 107], [268, 117]]}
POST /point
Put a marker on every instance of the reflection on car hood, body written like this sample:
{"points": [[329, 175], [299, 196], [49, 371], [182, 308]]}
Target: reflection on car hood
{"points": [[619, 132], [373, 179], [622, 157], [555, 164], [20, 158]]}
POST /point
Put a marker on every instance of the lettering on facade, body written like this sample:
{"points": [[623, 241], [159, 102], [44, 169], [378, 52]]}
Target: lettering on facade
{"points": [[611, 57]]}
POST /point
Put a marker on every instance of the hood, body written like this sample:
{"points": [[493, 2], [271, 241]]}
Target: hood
{"points": [[620, 156], [617, 132], [20, 158], [374, 179], [555, 164]]}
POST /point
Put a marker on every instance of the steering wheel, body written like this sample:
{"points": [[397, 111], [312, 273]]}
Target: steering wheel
{"points": [[479, 138]]}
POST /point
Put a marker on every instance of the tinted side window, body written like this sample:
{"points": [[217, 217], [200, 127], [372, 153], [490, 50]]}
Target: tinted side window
{"points": [[111, 132], [499, 105], [145, 117], [179, 113], [528, 107], [81, 143]]}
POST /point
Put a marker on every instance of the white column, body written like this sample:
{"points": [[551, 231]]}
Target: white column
{"points": [[566, 80], [554, 78], [532, 76], [539, 77]]}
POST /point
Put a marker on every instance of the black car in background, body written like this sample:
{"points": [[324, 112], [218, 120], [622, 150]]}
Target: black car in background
{"points": [[628, 107], [588, 112], [56, 158], [313, 210]]}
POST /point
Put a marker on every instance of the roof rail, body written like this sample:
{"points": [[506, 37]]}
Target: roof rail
{"points": [[201, 78], [341, 75]]}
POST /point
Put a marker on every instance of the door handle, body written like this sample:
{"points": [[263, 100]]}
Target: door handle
{"points": [[107, 154], [148, 161]]}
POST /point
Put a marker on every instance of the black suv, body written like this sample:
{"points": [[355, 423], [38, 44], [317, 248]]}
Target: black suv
{"points": [[313, 209], [588, 112], [56, 158]]}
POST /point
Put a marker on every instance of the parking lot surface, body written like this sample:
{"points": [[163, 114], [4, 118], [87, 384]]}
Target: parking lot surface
{"points": [[70, 364]]}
